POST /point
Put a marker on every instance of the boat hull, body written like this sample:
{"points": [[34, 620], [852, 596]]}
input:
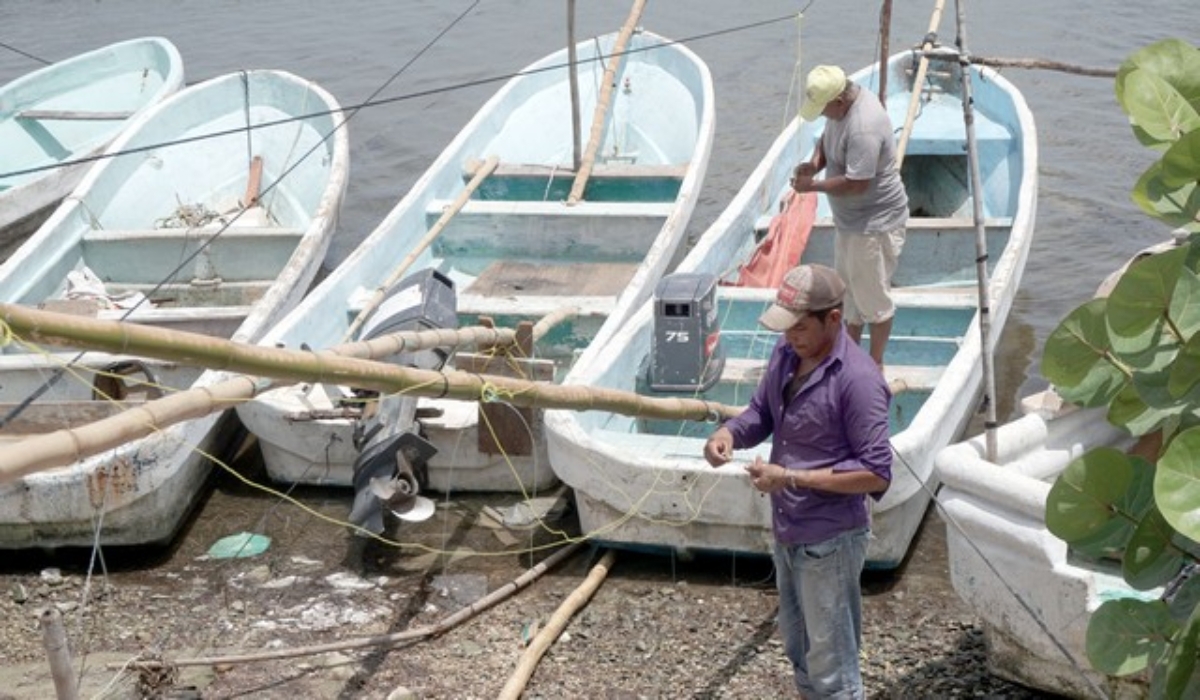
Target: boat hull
{"points": [[121, 237], [69, 111], [640, 484], [516, 251], [1000, 548]]}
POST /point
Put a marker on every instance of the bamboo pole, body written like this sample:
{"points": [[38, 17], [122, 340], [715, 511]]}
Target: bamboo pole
{"points": [[981, 249], [65, 446], [489, 600], [600, 114], [54, 639], [1029, 64], [537, 648], [885, 33], [922, 67], [434, 231], [573, 75]]}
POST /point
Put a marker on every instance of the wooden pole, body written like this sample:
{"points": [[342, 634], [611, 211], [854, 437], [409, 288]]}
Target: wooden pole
{"points": [[537, 648], [1029, 64], [496, 596], [434, 231], [885, 32], [600, 114], [253, 183], [922, 67], [54, 639], [573, 63], [65, 446], [981, 249]]}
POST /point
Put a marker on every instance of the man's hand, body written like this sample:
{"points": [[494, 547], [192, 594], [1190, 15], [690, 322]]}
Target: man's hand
{"points": [[718, 449], [805, 169], [802, 177], [767, 477]]}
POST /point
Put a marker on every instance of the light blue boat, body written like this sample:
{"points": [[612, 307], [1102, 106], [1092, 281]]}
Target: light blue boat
{"points": [[67, 111], [517, 250], [645, 483], [217, 208]]}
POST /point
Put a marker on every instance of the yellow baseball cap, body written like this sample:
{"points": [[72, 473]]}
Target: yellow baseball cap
{"points": [[823, 85]]}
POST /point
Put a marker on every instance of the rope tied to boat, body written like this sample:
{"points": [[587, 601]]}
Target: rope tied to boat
{"points": [[490, 393]]}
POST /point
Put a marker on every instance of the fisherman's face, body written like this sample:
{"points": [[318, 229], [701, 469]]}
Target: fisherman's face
{"points": [[812, 337]]}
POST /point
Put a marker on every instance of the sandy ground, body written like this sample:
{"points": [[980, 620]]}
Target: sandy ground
{"points": [[659, 626]]}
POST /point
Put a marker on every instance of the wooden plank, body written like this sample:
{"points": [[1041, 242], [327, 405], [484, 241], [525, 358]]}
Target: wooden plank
{"points": [[149, 236], [964, 223], [253, 182], [509, 277], [503, 428], [72, 115], [600, 171]]}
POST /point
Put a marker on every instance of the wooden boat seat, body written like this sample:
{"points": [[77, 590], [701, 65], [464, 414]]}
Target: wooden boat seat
{"points": [[611, 170], [239, 254], [899, 377], [220, 321], [514, 277], [72, 115], [939, 130], [949, 224]]}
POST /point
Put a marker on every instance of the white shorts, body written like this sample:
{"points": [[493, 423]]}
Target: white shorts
{"points": [[866, 262]]}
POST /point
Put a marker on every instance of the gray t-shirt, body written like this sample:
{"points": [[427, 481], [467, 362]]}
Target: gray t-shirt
{"points": [[861, 147]]}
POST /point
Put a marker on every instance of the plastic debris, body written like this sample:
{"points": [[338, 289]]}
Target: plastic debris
{"points": [[241, 545]]}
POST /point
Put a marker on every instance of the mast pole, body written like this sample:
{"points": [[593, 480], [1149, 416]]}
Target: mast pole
{"points": [[572, 60], [885, 32], [981, 250]]}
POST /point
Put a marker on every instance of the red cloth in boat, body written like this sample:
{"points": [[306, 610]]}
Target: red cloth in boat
{"points": [[781, 248]]}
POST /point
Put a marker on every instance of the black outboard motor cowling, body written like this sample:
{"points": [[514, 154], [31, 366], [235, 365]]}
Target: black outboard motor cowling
{"points": [[392, 454]]}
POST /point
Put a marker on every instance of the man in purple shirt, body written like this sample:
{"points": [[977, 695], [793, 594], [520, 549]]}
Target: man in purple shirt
{"points": [[824, 403]]}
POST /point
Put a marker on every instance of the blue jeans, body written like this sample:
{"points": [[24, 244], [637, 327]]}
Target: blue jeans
{"points": [[820, 613]]}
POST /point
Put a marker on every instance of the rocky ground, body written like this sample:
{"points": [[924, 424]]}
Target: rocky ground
{"points": [[659, 626]]}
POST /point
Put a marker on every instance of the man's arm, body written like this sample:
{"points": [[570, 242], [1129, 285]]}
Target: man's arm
{"points": [[833, 186], [769, 478]]}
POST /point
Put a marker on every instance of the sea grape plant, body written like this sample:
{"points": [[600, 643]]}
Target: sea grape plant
{"points": [[1137, 351]]}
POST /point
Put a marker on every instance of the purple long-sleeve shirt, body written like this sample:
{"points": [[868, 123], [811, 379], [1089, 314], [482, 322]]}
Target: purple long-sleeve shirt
{"points": [[839, 419]]}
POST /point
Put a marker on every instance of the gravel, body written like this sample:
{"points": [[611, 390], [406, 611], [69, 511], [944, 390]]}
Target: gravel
{"points": [[659, 626]]}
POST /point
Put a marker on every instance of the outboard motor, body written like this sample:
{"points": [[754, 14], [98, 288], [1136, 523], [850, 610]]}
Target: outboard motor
{"points": [[686, 352], [392, 453]]}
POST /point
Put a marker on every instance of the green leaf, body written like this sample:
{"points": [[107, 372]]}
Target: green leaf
{"points": [[1177, 483], [1174, 207], [1172, 60], [1125, 636], [1137, 306], [1154, 105], [1110, 539], [1130, 411], [1153, 388], [1085, 497], [1185, 600], [1151, 559], [1076, 361], [1181, 162], [1185, 372], [1183, 661]]}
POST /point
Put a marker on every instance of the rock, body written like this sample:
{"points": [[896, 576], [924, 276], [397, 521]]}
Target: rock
{"points": [[52, 577]]}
